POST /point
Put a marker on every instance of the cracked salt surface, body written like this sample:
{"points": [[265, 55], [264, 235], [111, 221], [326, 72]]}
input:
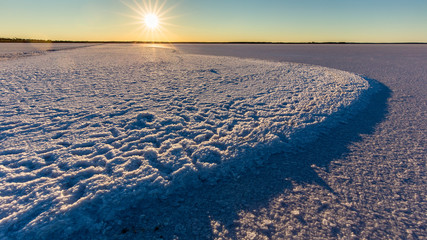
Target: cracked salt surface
{"points": [[87, 133]]}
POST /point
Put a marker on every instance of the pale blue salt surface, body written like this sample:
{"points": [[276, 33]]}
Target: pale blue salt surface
{"points": [[365, 179], [88, 132]]}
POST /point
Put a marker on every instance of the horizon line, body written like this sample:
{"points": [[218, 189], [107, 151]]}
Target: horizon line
{"points": [[29, 40]]}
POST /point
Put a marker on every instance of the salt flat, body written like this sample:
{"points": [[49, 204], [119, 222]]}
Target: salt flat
{"points": [[140, 142], [18, 50], [94, 137], [366, 179]]}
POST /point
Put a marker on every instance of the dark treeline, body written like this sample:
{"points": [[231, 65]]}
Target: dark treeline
{"points": [[24, 40]]}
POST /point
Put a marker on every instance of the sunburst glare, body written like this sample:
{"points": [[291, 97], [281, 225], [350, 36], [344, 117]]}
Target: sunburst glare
{"points": [[151, 18]]}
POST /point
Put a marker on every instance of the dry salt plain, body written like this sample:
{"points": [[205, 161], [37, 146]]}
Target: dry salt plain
{"points": [[258, 142]]}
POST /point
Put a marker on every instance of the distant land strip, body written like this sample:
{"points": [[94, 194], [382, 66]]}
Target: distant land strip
{"points": [[24, 40]]}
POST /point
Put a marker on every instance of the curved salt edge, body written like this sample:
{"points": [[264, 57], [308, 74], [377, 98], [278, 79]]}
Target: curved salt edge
{"points": [[213, 145]]}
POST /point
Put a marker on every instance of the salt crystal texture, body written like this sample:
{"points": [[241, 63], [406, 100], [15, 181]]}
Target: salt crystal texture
{"points": [[88, 132]]}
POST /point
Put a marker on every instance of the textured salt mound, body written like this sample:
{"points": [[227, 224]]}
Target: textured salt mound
{"points": [[86, 133]]}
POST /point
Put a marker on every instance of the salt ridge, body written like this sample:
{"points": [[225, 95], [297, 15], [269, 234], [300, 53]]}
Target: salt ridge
{"points": [[86, 133]]}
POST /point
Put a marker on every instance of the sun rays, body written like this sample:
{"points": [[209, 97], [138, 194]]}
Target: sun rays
{"points": [[151, 18]]}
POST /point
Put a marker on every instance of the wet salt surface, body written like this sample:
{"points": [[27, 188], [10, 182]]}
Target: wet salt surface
{"points": [[102, 141]]}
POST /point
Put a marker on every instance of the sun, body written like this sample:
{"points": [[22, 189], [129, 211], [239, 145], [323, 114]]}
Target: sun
{"points": [[151, 21], [152, 18]]}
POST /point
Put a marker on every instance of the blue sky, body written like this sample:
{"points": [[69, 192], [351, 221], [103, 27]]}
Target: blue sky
{"points": [[220, 20]]}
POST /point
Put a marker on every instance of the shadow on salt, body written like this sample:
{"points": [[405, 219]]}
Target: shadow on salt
{"points": [[191, 213]]}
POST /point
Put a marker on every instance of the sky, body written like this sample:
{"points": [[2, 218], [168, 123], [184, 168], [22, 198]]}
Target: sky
{"points": [[217, 21]]}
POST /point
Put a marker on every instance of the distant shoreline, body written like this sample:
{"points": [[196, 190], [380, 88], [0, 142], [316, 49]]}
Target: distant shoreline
{"points": [[22, 40]]}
